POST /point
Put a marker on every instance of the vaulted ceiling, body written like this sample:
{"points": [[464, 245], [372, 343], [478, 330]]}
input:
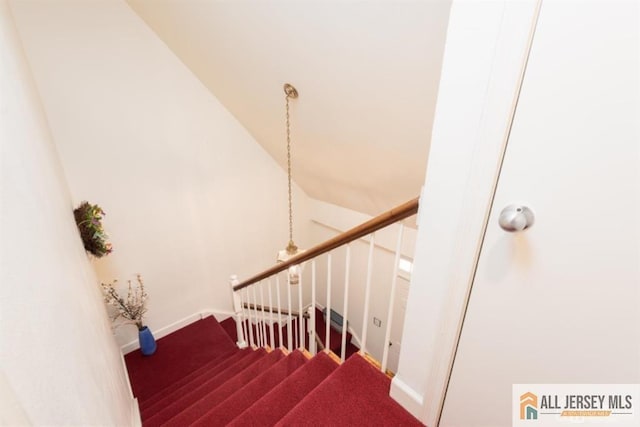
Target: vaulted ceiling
{"points": [[367, 73]]}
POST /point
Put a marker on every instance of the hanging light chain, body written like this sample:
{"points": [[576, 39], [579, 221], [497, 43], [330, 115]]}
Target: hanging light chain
{"points": [[291, 247]]}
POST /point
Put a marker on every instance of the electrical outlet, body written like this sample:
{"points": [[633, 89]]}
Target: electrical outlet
{"points": [[377, 322]]}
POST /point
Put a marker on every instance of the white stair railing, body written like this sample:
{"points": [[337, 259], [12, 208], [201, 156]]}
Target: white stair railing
{"points": [[271, 335], [249, 323], [345, 305], [367, 294], [301, 326], [312, 310], [263, 327], [279, 312], [252, 317], [290, 319], [327, 341], [392, 297]]}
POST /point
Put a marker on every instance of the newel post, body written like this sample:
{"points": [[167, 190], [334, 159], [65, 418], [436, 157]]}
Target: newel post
{"points": [[237, 312]]}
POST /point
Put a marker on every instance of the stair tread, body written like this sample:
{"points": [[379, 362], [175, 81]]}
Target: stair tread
{"points": [[178, 354], [191, 382], [285, 396], [229, 408], [211, 399], [199, 377], [159, 394], [368, 401], [171, 406]]}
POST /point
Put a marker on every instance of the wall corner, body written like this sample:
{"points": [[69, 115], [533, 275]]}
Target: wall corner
{"points": [[407, 397]]}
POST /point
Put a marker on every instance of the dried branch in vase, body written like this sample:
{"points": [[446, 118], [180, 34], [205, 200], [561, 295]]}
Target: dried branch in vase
{"points": [[131, 309]]}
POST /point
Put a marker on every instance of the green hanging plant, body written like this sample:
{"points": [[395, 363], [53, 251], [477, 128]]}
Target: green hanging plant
{"points": [[89, 220]]}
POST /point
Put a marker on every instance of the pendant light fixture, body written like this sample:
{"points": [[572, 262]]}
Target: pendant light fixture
{"points": [[291, 250]]}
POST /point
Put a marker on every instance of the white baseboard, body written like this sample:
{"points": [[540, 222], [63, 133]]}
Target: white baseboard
{"points": [[126, 373], [407, 397], [220, 315], [355, 339], [136, 420]]}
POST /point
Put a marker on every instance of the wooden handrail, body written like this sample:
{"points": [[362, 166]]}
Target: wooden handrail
{"points": [[396, 214]]}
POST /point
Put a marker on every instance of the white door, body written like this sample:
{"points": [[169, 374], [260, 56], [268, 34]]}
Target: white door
{"points": [[399, 313], [560, 302]]}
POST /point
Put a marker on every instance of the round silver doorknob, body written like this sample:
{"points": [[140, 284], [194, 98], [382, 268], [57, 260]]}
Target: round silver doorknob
{"points": [[515, 218]]}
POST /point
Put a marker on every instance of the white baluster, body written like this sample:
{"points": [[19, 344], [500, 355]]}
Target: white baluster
{"points": [[273, 343], [300, 314], [279, 312], [264, 319], [367, 293], [394, 281], [312, 310], [237, 312], [343, 350], [327, 342], [290, 333], [251, 340], [255, 315], [245, 330]]}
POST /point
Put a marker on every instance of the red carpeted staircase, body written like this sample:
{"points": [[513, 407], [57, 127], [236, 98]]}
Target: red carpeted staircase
{"points": [[199, 377]]}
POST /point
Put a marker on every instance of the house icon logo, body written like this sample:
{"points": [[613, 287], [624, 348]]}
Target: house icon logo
{"points": [[528, 406]]}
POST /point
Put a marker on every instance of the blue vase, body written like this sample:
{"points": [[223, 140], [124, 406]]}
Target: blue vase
{"points": [[147, 341]]}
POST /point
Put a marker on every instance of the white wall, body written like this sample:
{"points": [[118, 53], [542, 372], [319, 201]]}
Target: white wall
{"points": [[328, 220], [59, 362], [190, 196]]}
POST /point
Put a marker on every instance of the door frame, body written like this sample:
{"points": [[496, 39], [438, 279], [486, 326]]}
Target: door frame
{"points": [[485, 59]]}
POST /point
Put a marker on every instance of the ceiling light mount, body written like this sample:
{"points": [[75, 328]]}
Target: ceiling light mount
{"points": [[290, 91]]}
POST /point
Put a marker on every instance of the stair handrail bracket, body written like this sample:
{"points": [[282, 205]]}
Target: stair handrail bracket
{"points": [[255, 322]]}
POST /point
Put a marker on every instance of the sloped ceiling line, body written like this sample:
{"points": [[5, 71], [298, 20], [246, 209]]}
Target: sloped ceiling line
{"points": [[367, 73]]}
